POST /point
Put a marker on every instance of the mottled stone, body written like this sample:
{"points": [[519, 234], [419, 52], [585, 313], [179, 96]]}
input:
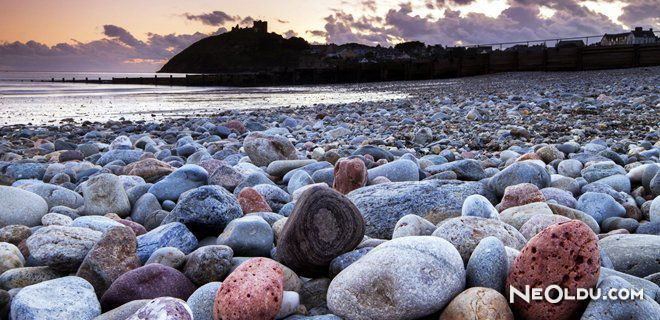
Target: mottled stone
{"points": [[349, 175], [168, 235], [520, 172], [56, 195], [201, 301], [465, 233], [103, 194], [252, 201], [467, 169], [63, 298], [264, 149], [412, 225], [488, 265], [517, 216], [226, 176], [520, 194], [253, 291], [61, 248], [164, 308], [564, 254], [26, 276], [478, 304], [168, 256], [10, 257], [324, 224], [112, 256], [538, 223], [562, 197], [575, 215], [208, 264], [149, 169], [147, 282], [249, 236], [405, 278], [14, 234]]}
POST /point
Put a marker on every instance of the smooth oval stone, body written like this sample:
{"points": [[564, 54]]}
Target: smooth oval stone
{"points": [[601, 170], [519, 195], [151, 170], [323, 225], [168, 256], [569, 168], [575, 215], [263, 148], [144, 206], [412, 225], [56, 219], [396, 171], [614, 223], [635, 254], [468, 169], [10, 257], [600, 309], [249, 236], [14, 234], [281, 167], [349, 174], [517, 216], [173, 234], [104, 194], [201, 301], [61, 248], [343, 261], [465, 233], [164, 308], [517, 173], [124, 311], [477, 205], [205, 210], [26, 276], [253, 291], [96, 223], [651, 290], [405, 278], [600, 206], [562, 197], [187, 177], [147, 282], [252, 201], [538, 223], [618, 182], [488, 265], [564, 254], [63, 298], [20, 207], [113, 255], [56, 195], [208, 263], [478, 304]]}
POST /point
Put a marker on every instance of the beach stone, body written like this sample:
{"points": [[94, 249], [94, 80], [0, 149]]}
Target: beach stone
{"points": [[275, 197], [14, 234], [654, 210], [56, 195], [279, 168], [562, 197], [168, 256], [299, 180], [56, 219], [412, 225], [564, 254], [342, 262], [112, 256], [252, 180], [151, 170], [384, 204], [126, 156], [517, 173], [615, 223], [601, 170], [323, 225], [201, 301], [349, 174], [520, 194], [96, 223], [206, 209], [249, 236], [20, 207], [600, 206], [164, 308], [173, 234], [550, 153], [252, 201], [478, 304], [375, 152], [405, 278], [26, 276], [488, 266], [144, 206], [289, 305], [10, 257], [477, 205], [147, 282], [570, 168], [538, 223], [103, 194], [600, 309], [262, 149], [62, 248], [396, 171], [635, 254], [575, 215], [188, 177], [208, 264], [226, 176], [651, 290], [23, 171], [253, 291], [67, 298], [467, 169], [618, 182], [465, 233], [517, 216]]}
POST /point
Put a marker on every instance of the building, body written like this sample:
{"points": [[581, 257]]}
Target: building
{"points": [[260, 26], [637, 36]]}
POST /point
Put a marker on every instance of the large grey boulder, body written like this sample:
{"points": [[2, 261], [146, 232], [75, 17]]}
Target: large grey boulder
{"points": [[105, 194], [20, 207], [63, 298], [56, 195]]}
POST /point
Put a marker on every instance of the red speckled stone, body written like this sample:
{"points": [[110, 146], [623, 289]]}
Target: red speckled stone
{"points": [[349, 175], [565, 254], [253, 291], [251, 200], [519, 195]]}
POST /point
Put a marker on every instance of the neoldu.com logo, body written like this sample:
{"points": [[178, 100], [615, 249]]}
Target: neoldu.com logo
{"points": [[555, 294]]}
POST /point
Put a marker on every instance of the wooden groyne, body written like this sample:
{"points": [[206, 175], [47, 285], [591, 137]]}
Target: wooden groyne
{"points": [[456, 63]]}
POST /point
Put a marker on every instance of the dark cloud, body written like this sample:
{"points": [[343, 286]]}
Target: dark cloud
{"points": [[645, 13], [282, 21], [290, 34], [215, 18], [369, 5], [121, 34]]}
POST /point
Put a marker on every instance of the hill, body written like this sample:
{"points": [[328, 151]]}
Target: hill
{"points": [[240, 50]]}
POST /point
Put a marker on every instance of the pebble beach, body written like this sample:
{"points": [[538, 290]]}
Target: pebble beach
{"points": [[432, 206]]}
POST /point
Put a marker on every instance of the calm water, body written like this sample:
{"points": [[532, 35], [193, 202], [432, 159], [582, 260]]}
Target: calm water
{"points": [[22, 101]]}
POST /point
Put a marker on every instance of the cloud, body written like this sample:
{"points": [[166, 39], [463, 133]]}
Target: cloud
{"points": [[121, 34], [290, 34], [641, 13], [215, 18]]}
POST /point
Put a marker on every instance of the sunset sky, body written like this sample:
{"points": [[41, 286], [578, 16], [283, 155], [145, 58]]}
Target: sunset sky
{"points": [[140, 35]]}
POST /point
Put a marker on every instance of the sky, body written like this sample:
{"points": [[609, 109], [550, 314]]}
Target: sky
{"points": [[140, 35]]}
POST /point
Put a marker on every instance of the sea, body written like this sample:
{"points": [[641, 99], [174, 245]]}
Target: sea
{"points": [[30, 98]]}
